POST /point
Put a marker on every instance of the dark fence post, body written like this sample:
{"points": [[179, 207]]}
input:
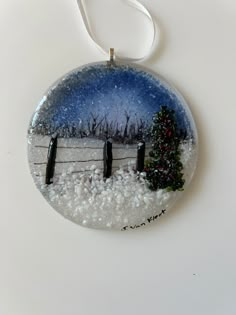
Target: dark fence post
{"points": [[52, 153], [107, 157], [140, 156]]}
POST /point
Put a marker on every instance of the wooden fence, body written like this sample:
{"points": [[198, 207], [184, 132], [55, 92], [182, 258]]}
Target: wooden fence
{"points": [[58, 156]]}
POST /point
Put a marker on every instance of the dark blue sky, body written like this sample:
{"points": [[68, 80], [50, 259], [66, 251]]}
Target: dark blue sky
{"points": [[102, 91]]}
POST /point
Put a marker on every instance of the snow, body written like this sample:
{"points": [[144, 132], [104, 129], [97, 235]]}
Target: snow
{"points": [[85, 197]]}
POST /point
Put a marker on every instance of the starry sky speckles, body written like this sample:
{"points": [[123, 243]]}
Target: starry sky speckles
{"points": [[109, 91]]}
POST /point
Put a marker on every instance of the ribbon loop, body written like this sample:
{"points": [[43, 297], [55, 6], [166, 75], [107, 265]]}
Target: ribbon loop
{"points": [[138, 6]]}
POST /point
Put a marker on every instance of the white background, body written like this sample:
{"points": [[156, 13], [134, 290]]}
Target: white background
{"points": [[186, 263]]}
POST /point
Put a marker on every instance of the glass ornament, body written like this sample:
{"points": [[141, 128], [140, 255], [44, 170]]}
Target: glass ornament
{"points": [[112, 145]]}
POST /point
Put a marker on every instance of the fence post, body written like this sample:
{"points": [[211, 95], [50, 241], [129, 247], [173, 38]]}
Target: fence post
{"points": [[140, 156], [107, 158], [51, 160]]}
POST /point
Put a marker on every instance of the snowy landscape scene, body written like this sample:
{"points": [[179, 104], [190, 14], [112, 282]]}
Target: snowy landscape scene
{"points": [[111, 147]]}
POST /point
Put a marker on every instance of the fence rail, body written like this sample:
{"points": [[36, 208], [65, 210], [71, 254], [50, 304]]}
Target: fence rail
{"points": [[107, 157], [86, 161], [93, 148]]}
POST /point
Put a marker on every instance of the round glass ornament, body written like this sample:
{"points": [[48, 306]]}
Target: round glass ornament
{"points": [[112, 146]]}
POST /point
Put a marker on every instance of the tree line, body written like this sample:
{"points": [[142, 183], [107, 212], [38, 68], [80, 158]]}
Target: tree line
{"points": [[132, 130]]}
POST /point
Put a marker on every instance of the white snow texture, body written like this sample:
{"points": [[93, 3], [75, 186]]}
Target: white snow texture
{"points": [[80, 193]]}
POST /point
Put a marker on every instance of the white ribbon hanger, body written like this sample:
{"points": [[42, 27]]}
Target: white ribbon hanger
{"points": [[138, 6]]}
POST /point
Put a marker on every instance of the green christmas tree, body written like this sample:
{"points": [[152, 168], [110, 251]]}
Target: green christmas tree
{"points": [[164, 168]]}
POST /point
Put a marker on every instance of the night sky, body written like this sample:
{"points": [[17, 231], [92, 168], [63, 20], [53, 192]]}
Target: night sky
{"points": [[109, 91]]}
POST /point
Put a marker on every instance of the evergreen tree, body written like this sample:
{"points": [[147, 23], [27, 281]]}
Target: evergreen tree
{"points": [[164, 169]]}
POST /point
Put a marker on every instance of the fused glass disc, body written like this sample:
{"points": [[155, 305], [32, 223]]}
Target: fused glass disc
{"points": [[112, 146]]}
